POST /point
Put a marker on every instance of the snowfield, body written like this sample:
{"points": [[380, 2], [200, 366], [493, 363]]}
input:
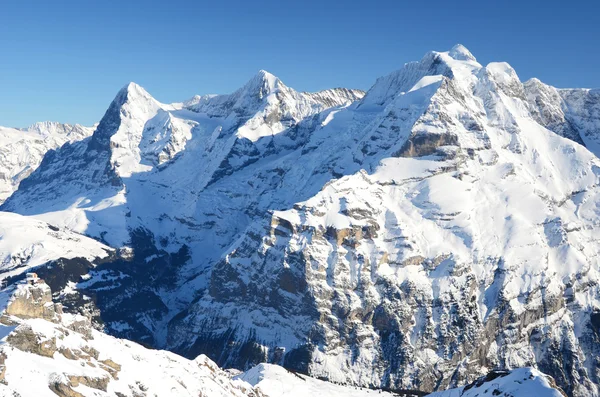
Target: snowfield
{"points": [[26, 242], [275, 381]]}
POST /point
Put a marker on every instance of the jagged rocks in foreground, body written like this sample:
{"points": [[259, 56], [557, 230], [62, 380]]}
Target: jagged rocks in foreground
{"points": [[46, 353]]}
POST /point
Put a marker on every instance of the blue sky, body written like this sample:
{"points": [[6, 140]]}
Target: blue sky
{"points": [[65, 60]]}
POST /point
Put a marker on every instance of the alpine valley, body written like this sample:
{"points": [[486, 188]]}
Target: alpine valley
{"points": [[437, 233]]}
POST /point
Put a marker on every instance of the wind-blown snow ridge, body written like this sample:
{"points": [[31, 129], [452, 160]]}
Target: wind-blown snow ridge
{"points": [[275, 381]]}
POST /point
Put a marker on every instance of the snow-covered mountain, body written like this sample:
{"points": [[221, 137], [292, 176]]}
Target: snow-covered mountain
{"points": [[440, 226], [572, 113], [22, 150]]}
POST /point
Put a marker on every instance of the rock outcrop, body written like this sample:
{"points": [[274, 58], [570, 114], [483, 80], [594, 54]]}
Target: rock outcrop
{"points": [[34, 301]]}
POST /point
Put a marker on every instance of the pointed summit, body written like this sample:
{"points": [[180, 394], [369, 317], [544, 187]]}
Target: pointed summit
{"points": [[262, 84], [137, 102], [133, 91], [460, 53]]}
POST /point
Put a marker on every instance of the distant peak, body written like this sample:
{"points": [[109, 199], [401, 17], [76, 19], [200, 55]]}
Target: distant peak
{"points": [[534, 81], [460, 53], [263, 74], [262, 84], [133, 90]]}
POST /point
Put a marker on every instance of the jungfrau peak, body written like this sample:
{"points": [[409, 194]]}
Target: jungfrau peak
{"points": [[415, 237]]}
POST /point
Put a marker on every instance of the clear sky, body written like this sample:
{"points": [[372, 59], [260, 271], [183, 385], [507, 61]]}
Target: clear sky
{"points": [[65, 60]]}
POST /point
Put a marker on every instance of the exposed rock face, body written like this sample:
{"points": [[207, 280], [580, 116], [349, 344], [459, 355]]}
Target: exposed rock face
{"points": [[2, 367], [34, 301], [26, 339], [572, 113]]}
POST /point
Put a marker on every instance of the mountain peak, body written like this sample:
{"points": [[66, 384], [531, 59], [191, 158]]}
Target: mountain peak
{"points": [[265, 75], [262, 84], [460, 53], [133, 91]]}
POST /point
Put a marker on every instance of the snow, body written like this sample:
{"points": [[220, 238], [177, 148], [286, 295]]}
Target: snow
{"points": [[425, 81], [26, 242], [154, 372], [460, 53], [22, 150], [275, 381], [522, 382]]}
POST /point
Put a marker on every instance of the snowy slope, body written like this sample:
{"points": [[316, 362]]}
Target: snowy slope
{"points": [[26, 242], [442, 225], [105, 366], [523, 382], [22, 150], [275, 381]]}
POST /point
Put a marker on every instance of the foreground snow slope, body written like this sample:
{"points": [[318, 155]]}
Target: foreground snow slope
{"points": [[22, 150], [275, 381], [522, 382], [444, 224]]}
